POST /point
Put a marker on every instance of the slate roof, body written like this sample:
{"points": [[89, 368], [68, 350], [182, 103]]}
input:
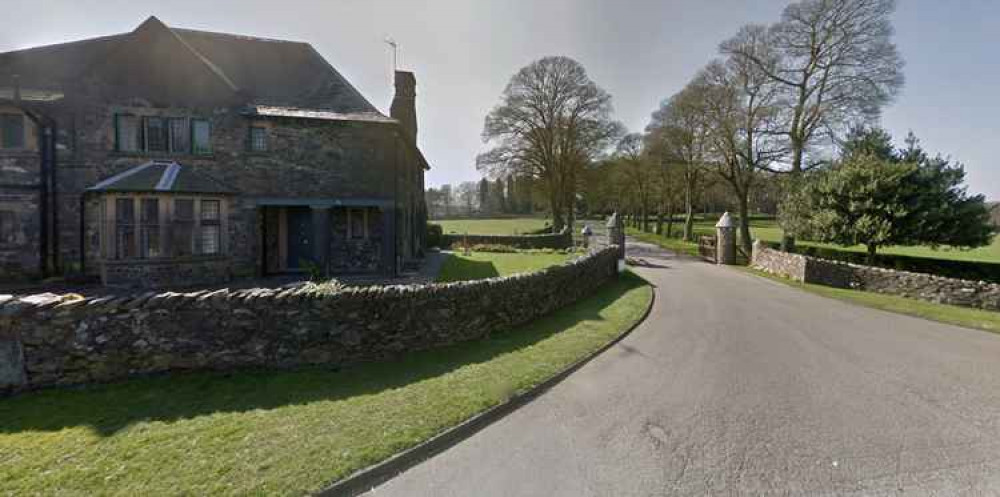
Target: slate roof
{"points": [[263, 71], [163, 177]]}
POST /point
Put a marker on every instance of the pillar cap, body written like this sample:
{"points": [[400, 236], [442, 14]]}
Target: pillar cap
{"points": [[726, 221]]}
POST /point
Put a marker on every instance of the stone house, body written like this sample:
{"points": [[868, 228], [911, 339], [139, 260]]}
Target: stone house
{"points": [[172, 157]]}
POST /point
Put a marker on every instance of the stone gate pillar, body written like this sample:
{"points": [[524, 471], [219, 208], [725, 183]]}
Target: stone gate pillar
{"points": [[725, 240], [616, 236]]}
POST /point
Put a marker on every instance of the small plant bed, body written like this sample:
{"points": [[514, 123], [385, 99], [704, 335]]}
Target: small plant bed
{"points": [[502, 226], [481, 265], [285, 433], [961, 316]]}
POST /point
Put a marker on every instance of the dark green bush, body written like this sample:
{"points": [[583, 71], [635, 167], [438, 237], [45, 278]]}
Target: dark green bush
{"points": [[434, 232]]}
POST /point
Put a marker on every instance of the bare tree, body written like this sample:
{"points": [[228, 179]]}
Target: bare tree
{"points": [[551, 122], [679, 134], [635, 166], [834, 60], [742, 109]]}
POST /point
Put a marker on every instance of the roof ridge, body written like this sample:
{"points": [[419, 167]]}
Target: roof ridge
{"points": [[238, 36], [64, 44]]}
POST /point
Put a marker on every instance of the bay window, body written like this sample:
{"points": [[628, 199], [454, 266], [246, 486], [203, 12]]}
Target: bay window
{"points": [[149, 226]]}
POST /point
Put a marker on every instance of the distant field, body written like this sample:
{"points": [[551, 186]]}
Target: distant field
{"points": [[769, 231], [506, 226]]}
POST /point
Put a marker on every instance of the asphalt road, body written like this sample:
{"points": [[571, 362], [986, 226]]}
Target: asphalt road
{"points": [[737, 385]]}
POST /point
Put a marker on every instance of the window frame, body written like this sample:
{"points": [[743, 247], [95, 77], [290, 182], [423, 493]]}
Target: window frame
{"points": [[9, 227], [252, 143], [351, 212], [139, 139], [6, 117], [195, 150]]}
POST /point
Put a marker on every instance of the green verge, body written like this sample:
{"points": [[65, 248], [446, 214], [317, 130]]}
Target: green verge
{"points": [[481, 265], [950, 314], [286, 433], [500, 226]]}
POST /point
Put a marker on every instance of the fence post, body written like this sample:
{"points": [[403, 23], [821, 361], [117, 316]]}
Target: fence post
{"points": [[725, 240]]}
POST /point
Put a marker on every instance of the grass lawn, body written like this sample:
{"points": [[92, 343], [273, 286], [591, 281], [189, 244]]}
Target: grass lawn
{"points": [[511, 226], [482, 265], [674, 244], [284, 433], [961, 316], [768, 230]]}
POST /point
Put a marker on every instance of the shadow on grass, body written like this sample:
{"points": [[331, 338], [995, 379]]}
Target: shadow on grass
{"points": [[463, 269], [112, 407]]}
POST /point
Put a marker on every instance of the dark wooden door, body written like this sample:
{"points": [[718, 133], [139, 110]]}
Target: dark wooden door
{"points": [[300, 237]]}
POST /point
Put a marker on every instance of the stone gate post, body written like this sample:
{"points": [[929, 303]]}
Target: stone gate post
{"points": [[725, 240], [616, 236]]}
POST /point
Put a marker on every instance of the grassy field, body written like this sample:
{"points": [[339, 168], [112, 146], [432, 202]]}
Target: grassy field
{"points": [[284, 433], [961, 316], [482, 265], [509, 226], [768, 230]]}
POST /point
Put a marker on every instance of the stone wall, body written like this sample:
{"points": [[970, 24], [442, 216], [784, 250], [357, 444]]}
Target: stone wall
{"points": [[174, 272], [64, 341], [561, 240], [937, 289]]}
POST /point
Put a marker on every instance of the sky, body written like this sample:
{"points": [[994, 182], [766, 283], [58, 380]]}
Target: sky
{"points": [[463, 52]]}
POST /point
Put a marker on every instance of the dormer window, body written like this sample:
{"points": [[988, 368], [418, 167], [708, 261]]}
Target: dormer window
{"points": [[11, 131]]}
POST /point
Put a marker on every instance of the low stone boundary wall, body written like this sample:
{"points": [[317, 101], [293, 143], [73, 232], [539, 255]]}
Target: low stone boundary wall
{"points": [[58, 340], [937, 289], [561, 240]]}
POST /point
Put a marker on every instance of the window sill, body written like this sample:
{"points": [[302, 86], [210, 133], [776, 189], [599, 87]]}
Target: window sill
{"points": [[162, 155], [168, 260]]}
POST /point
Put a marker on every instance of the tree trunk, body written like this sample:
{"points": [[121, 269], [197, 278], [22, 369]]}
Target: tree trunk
{"points": [[871, 253], [659, 221], [788, 239], [744, 211], [670, 220]]}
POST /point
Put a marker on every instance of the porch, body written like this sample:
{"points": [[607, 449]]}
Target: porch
{"points": [[326, 237]]}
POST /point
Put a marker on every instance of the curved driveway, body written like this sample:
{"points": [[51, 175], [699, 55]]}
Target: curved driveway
{"points": [[737, 385]]}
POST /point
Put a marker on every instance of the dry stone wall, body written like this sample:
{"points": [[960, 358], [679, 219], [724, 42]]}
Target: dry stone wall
{"points": [[928, 287], [61, 340]]}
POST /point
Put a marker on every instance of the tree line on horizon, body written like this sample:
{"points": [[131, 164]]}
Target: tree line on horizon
{"points": [[769, 125]]}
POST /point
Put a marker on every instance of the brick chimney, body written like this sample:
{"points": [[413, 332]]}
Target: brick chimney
{"points": [[404, 104]]}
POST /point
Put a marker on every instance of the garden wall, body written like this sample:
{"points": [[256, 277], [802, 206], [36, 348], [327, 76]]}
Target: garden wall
{"points": [[54, 340], [938, 289], [561, 240]]}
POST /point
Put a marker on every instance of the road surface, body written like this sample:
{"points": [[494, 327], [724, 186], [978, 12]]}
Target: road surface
{"points": [[737, 385]]}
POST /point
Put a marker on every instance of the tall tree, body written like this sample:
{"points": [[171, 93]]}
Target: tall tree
{"points": [[551, 122], [680, 134], [741, 108], [484, 197], [637, 172], [836, 63]]}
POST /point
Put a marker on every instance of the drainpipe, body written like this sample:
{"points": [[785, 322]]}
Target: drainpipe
{"points": [[53, 157], [83, 234]]}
